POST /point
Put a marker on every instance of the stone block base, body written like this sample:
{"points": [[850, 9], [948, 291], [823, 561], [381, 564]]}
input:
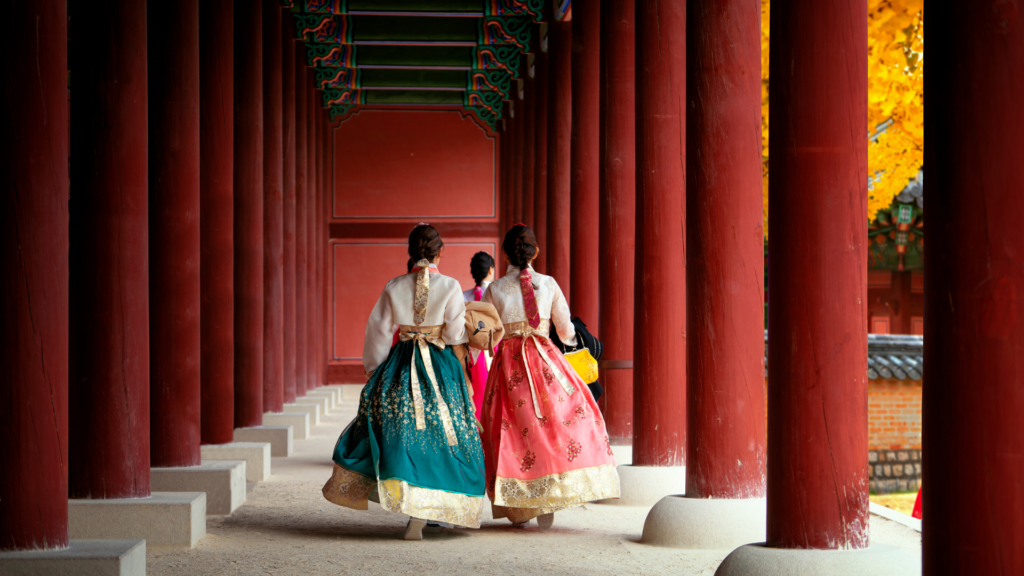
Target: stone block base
{"points": [[163, 520], [255, 454], [705, 523], [299, 421], [81, 557], [279, 438], [876, 560], [304, 406], [333, 396], [646, 485], [313, 398], [349, 392], [223, 481], [623, 455]]}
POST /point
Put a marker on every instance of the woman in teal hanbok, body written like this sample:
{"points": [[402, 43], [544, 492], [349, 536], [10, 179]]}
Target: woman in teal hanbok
{"points": [[415, 438]]}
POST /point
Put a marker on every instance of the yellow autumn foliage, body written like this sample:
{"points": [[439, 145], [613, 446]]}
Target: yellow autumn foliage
{"points": [[895, 97]]}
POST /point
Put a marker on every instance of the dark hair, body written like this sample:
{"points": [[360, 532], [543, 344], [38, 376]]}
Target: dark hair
{"points": [[520, 245], [409, 266], [480, 266], [424, 243]]}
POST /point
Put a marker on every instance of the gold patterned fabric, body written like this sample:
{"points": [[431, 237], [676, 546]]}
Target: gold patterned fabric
{"points": [[557, 491], [348, 488], [419, 305], [401, 497], [423, 335]]}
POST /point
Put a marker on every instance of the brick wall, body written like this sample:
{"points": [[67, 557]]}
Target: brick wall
{"points": [[894, 414]]}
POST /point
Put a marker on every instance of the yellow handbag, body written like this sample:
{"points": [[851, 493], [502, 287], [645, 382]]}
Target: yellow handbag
{"points": [[584, 364]]}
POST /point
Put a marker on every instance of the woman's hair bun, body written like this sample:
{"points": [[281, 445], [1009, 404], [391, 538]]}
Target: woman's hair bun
{"points": [[424, 243], [520, 245]]}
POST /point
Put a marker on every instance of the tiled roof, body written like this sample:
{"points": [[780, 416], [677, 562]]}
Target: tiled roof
{"points": [[890, 356]]}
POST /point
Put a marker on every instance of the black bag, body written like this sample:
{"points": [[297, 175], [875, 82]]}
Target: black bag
{"points": [[584, 339]]}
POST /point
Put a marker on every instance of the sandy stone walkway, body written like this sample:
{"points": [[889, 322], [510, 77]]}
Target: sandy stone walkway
{"points": [[287, 528]]}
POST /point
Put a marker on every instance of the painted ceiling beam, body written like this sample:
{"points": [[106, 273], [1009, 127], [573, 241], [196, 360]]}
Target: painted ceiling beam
{"points": [[437, 8], [405, 30]]}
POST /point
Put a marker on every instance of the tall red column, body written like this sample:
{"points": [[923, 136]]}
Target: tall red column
{"points": [[540, 164], [585, 167], [559, 128], [817, 360], [725, 416], [273, 212], [175, 335], [34, 265], [301, 223], [314, 347], [321, 360], [517, 162], [325, 252], [617, 186], [216, 220], [659, 340], [529, 154], [248, 217], [108, 305], [313, 104], [974, 329], [288, 172]]}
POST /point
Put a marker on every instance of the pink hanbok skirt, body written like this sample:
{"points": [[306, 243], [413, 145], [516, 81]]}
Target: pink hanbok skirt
{"points": [[559, 460], [478, 379]]}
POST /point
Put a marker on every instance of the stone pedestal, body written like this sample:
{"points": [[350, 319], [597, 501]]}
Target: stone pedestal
{"points": [[646, 485], [349, 392], [163, 520], [705, 523], [876, 560], [81, 557], [223, 481], [333, 396], [279, 437], [302, 406], [299, 421], [255, 454], [321, 400]]}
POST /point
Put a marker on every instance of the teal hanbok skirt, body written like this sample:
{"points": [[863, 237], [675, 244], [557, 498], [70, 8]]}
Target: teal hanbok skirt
{"points": [[416, 442]]}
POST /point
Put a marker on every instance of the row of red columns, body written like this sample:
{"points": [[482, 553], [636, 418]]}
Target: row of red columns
{"points": [[155, 301]]}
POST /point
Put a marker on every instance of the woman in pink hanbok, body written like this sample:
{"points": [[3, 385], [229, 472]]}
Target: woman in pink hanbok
{"points": [[545, 443], [482, 269]]}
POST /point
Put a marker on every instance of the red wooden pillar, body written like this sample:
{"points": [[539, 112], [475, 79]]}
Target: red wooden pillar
{"points": [[288, 172], [559, 128], [585, 168], [314, 347], [321, 235], [325, 252], [109, 257], [529, 154], [216, 220], [659, 343], [725, 274], [175, 335], [313, 104], [273, 212], [301, 223], [517, 162], [540, 165], [974, 329], [617, 187], [248, 217], [817, 361], [34, 265]]}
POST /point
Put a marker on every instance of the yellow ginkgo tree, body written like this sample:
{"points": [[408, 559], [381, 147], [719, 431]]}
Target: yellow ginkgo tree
{"points": [[895, 98]]}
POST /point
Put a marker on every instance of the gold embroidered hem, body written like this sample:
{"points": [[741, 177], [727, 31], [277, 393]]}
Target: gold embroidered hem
{"points": [[349, 489], [426, 504], [558, 491]]}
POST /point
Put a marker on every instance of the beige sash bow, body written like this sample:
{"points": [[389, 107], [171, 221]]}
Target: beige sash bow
{"points": [[424, 335], [526, 332]]}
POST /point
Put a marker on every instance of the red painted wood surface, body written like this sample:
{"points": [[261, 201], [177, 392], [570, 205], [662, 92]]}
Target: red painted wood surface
{"points": [[386, 160], [109, 257], [559, 128], [974, 331], [273, 212], [584, 230], [517, 162], [529, 151], [288, 172], [348, 373], [174, 386], [505, 216], [659, 345], [216, 220], [617, 228], [725, 416], [321, 273], [34, 264], [361, 269], [448, 229], [540, 165], [817, 361], [313, 103], [301, 223], [248, 217]]}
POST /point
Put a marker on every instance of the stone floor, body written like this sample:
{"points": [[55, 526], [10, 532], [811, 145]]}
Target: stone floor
{"points": [[287, 528]]}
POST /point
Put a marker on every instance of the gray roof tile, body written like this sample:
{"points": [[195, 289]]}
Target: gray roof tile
{"points": [[890, 356]]}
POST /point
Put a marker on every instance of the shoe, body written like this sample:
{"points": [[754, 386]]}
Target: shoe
{"points": [[546, 520], [414, 530], [521, 524]]}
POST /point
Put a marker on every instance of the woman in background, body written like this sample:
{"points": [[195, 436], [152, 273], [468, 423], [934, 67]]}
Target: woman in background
{"points": [[482, 269]]}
